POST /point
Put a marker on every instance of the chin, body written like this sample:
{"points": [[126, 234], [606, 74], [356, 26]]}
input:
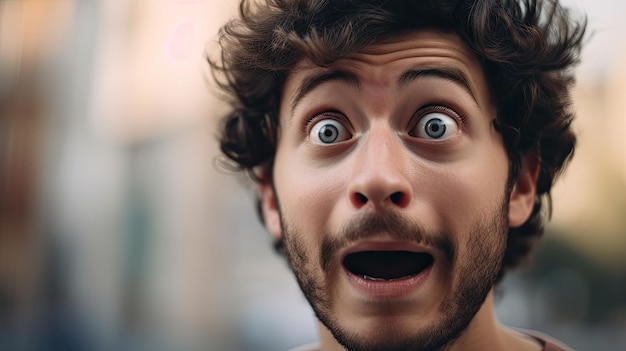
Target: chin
{"points": [[397, 334]]}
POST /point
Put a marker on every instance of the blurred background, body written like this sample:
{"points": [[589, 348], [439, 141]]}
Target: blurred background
{"points": [[119, 232]]}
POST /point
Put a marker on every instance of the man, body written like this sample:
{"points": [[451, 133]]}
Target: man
{"points": [[402, 150]]}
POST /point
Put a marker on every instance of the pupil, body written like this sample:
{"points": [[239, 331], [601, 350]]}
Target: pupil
{"points": [[328, 133], [435, 128]]}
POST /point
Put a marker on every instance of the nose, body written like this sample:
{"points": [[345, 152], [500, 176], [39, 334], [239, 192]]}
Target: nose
{"points": [[380, 173]]}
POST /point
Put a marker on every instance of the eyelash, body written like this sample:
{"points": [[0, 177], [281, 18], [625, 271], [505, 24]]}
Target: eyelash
{"points": [[441, 108], [336, 115], [340, 117]]}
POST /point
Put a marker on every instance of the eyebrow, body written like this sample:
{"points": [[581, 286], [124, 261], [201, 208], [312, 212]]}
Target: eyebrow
{"points": [[311, 82], [455, 75]]}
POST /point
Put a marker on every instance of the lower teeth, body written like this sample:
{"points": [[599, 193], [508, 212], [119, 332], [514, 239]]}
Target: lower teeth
{"points": [[367, 277]]}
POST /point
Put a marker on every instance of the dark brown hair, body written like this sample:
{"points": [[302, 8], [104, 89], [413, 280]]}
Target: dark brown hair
{"points": [[527, 49]]}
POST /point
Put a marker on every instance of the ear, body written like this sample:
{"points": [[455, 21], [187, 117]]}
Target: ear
{"points": [[524, 190], [269, 207]]}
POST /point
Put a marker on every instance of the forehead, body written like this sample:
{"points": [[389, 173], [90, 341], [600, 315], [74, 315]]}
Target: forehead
{"points": [[383, 64], [427, 46]]}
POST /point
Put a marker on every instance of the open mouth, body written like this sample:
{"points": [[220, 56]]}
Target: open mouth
{"points": [[387, 265]]}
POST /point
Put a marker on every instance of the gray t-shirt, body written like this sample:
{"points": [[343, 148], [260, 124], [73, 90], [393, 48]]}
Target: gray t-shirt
{"points": [[549, 344]]}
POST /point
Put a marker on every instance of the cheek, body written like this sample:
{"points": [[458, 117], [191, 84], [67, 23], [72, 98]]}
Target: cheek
{"points": [[307, 196], [467, 191]]}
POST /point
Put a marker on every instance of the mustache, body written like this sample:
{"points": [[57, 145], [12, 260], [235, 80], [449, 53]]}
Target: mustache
{"points": [[397, 226]]}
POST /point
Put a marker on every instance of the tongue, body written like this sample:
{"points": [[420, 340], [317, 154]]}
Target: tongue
{"points": [[387, 265]]}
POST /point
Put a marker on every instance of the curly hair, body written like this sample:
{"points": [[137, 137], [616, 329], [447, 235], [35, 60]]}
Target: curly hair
{"points": [[527, 49]]}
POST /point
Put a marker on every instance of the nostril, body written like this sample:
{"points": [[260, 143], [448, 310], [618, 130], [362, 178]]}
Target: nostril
{"points": [[360, 198], [396, 197]]}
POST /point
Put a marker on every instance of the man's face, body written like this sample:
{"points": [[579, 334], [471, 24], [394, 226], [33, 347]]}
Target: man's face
{"points": [[390, 191]]}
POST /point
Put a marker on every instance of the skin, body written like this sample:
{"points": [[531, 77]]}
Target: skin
{"points": [[451, 192]]}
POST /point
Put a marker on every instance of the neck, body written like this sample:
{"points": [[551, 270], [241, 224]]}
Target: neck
{"points": [[483, 333]]}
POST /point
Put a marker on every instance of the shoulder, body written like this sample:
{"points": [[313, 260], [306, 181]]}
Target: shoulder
{"points": [[549, 343]]}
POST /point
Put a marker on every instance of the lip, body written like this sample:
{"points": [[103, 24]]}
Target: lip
{"points": [[384, 244], [388, 289]]}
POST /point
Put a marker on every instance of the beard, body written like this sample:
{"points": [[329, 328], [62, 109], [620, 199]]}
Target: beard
{"points": [[474, 272]]}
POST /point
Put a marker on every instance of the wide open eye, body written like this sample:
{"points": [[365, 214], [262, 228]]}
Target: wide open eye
{"points": [[435, 125], [328, 131]]}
